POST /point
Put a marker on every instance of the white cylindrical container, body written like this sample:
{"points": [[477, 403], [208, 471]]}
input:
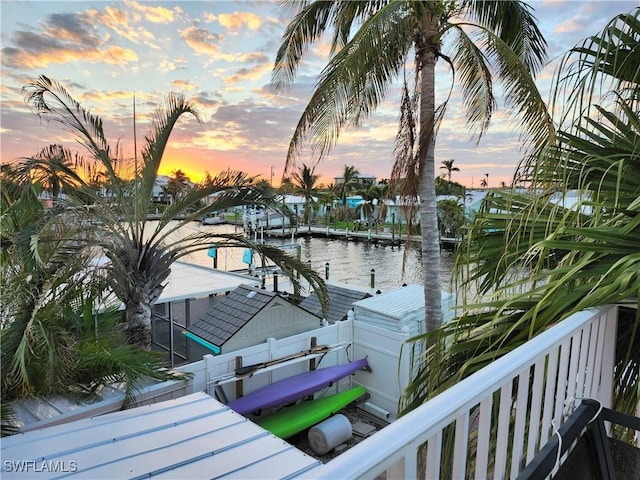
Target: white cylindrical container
{"points": [[327, 435]]}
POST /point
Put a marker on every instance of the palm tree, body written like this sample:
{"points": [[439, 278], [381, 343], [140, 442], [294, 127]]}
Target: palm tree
{"points": [[305, 182], [52, 341], [47, 167], [448, 165], [371, 45], [372, 202], [327, 197], [450, 218], [484, 183], [570, 241], [347, 186], [141, 254], [178, 184]]}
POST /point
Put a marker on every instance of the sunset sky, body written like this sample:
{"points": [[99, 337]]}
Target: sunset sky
{"points": [[221, 53]]}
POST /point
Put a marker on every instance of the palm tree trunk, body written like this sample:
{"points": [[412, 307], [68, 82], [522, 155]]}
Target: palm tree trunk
{"points": [[138, 318], [426, 56]]}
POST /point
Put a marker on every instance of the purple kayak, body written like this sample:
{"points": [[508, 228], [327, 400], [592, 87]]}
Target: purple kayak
{"points": [[294, 388]]}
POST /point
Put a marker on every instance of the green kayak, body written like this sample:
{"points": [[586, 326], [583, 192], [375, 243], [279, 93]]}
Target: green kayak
{"points": [[291, 420]]}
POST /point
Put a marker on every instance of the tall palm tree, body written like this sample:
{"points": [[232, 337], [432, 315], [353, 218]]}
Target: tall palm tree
{"points": [[305, 181], [140, 253], [448, 166], [535, 256], [484, 183], [371, 45], [177, 185], [347, 186], [372, 202]]}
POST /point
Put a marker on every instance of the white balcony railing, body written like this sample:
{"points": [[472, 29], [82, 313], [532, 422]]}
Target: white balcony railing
{"points": [[497, 419]]}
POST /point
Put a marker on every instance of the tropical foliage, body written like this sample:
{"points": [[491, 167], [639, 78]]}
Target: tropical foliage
{"points": [[450, 218], [347, 186], [372, 43], [54, 339], [444, 187], [566, 237], [140, 253], [373, 206], [305, 184], [448, 166]]}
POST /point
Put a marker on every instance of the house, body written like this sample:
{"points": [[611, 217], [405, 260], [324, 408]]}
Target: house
{"points": [[246, 316], [159, 188], [298, 204], [364, 180], [526, 396]]}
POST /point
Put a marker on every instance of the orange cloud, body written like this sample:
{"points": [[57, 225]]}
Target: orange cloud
{"points": [[238, 20], [122, 24], [204, 42], [183, 85], [60, 55], [227, 138], [245, 74], [118, 56], [154, 14]]}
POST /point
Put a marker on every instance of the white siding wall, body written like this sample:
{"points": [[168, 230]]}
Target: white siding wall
{"points": [[279, 319]]}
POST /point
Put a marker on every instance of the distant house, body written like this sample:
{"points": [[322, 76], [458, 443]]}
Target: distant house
{"points": [[246, 316], [363, 180], [159, 188], [297, 204], [394, 212], [340, 303]]}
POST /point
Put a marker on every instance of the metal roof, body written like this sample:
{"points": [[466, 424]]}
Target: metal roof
{"points": [[193, 281], [191, 437], [40, 412], [395, 304]]}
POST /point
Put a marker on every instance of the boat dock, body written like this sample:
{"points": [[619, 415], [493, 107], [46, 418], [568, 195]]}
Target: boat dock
{"points": [[368, 235]]}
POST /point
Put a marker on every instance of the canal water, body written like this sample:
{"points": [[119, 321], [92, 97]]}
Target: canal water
{"points": [[350, 262]]}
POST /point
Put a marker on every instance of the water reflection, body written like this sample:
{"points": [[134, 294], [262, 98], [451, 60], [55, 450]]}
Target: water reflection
{"points": [[350, 262]]}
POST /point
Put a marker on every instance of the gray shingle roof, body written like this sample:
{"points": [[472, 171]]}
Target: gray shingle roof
{"points": [[340, 302], [230, 314]]}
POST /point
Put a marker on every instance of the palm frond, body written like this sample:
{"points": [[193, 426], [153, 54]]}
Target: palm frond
{"points": [[164, 121], [354, 81], [476, 81], [534, 256], [308, 25], [520, 92], [52, 101], [515, 25]]}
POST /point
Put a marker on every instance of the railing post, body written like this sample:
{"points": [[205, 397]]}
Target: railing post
{"points": [[171, 348], [608, 357]]}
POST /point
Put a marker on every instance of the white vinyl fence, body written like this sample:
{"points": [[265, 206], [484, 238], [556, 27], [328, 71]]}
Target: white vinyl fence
{"points": [[498, 418], [350, 340]]}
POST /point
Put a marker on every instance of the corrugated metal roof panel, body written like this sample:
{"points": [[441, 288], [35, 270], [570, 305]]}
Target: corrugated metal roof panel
{"points": [[193, 281], [394, 304], [191, 437]]}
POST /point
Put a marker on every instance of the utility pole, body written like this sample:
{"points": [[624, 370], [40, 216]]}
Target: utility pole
{"points": [[272, 167]]}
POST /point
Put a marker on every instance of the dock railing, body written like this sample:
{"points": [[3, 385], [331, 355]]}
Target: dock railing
{"points": [[492, 424]]}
